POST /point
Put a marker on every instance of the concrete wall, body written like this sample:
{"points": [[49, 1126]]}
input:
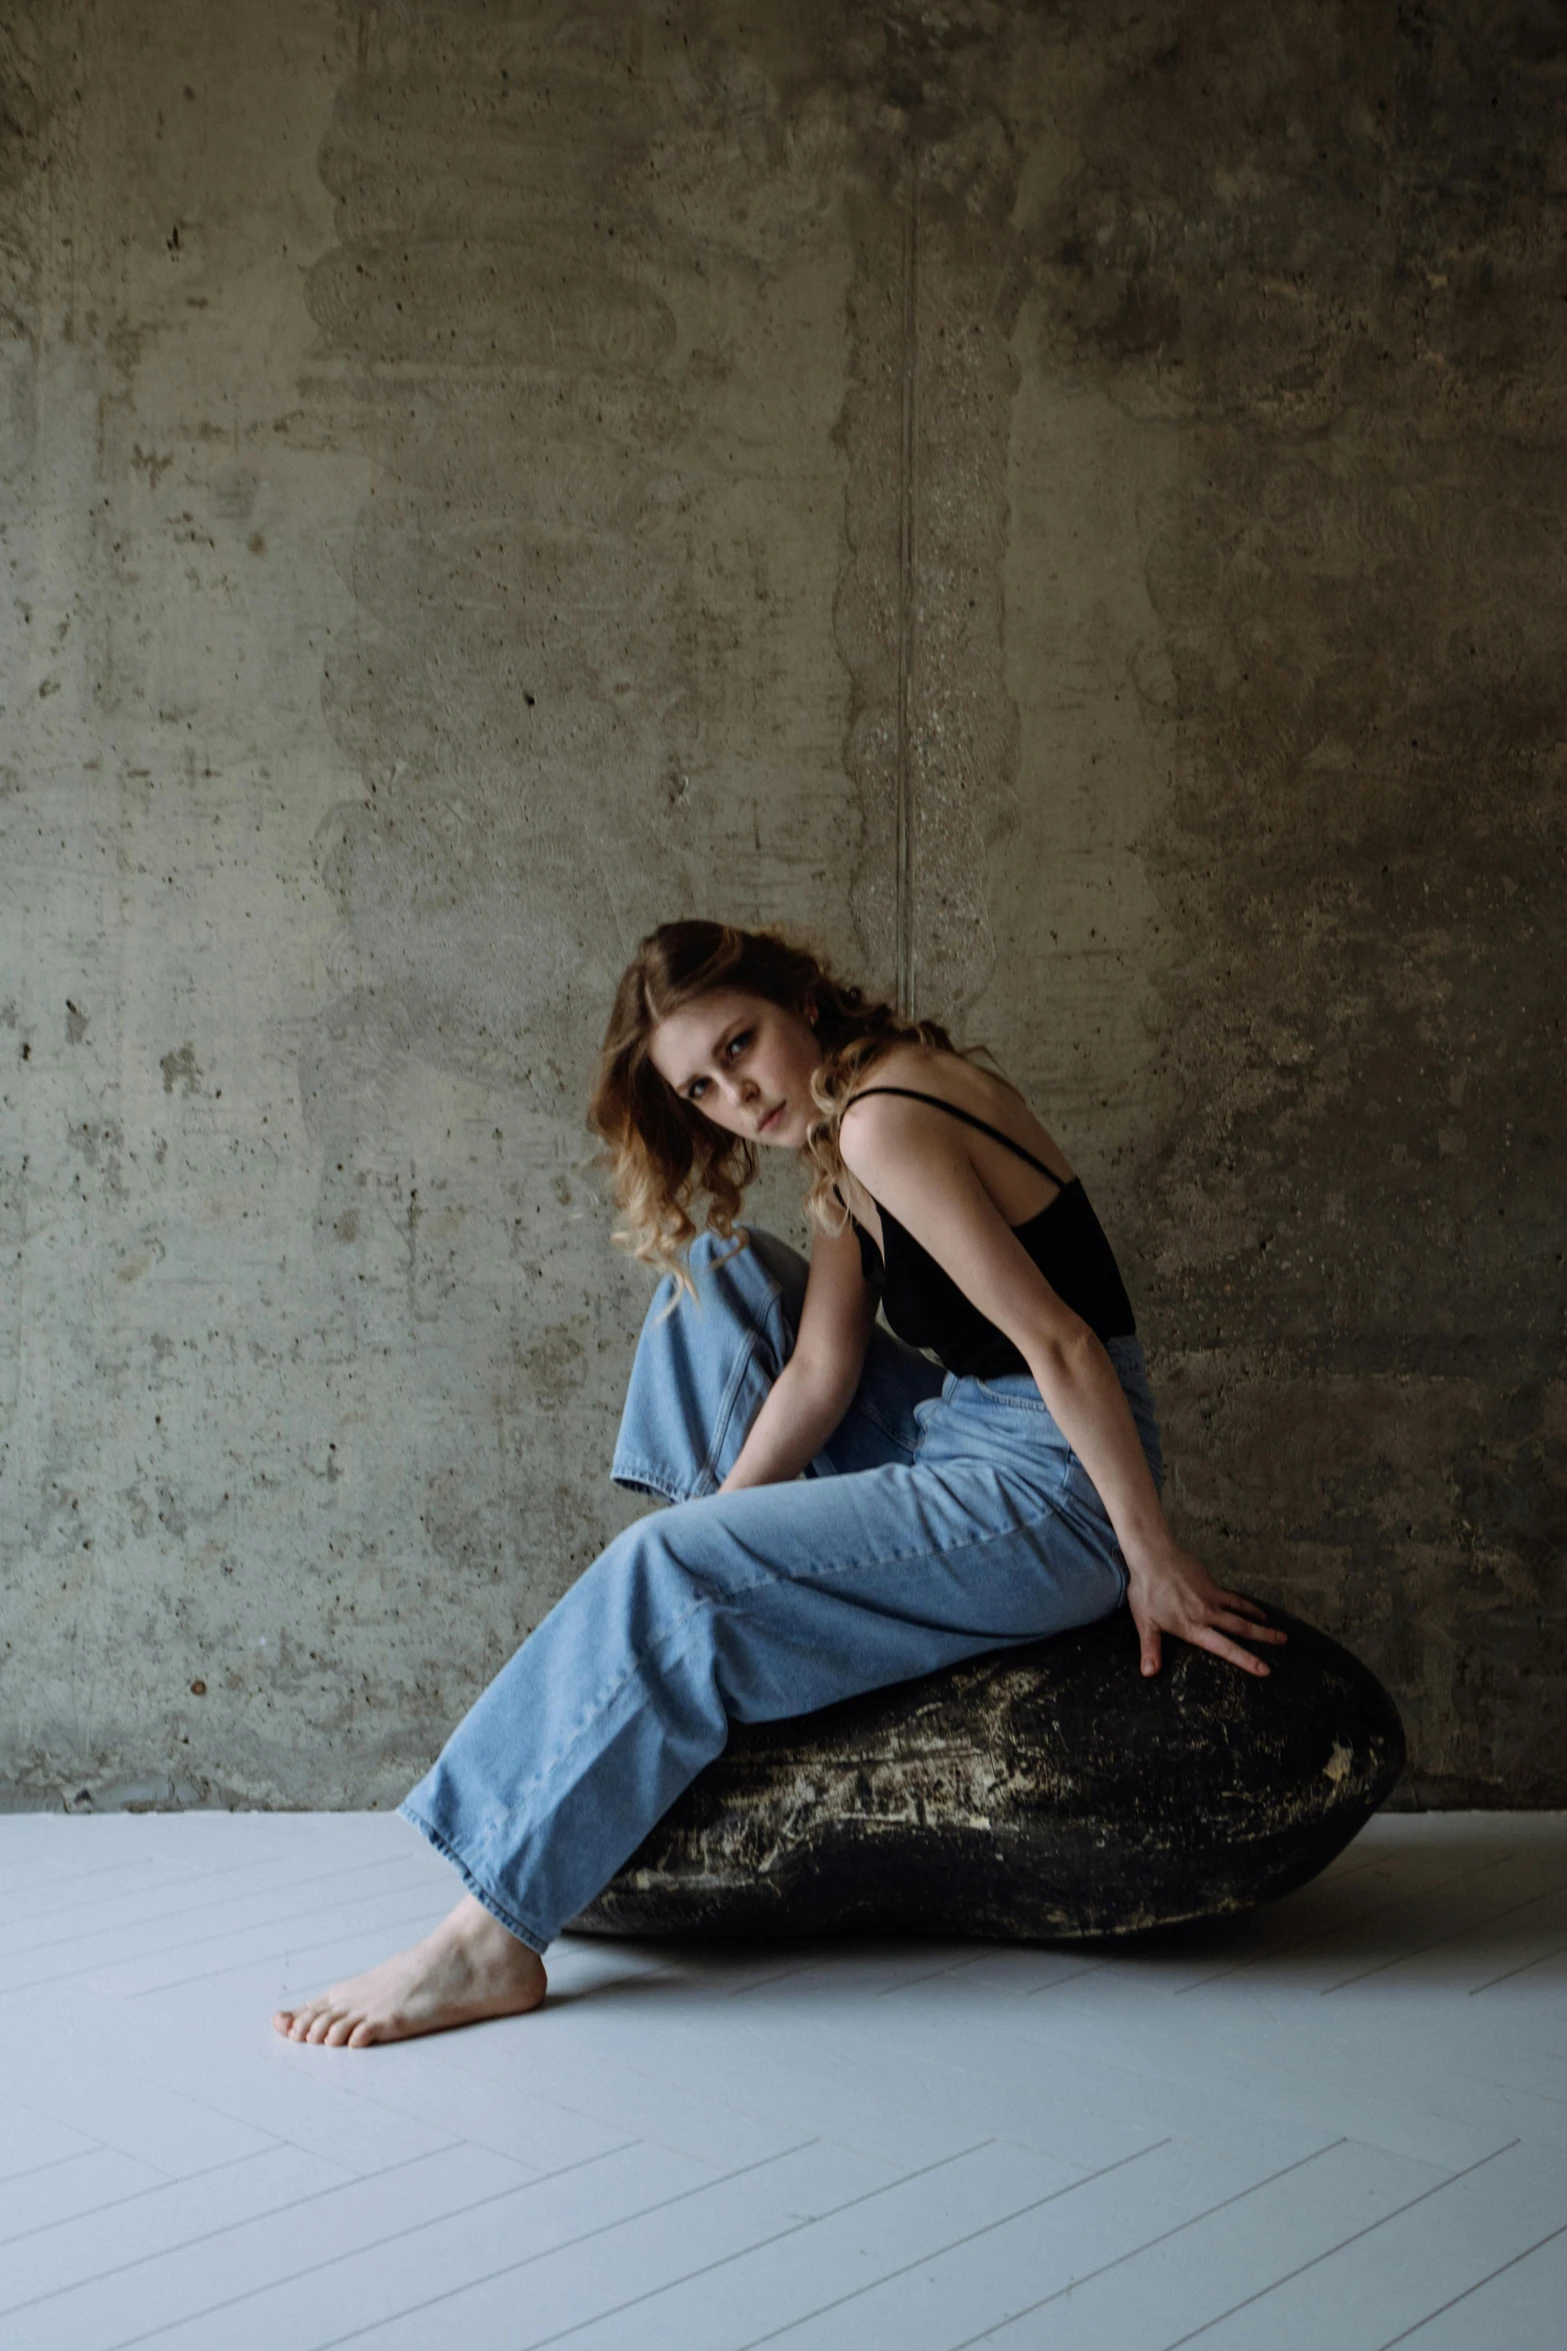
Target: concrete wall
{"points": [[1064, 503]]}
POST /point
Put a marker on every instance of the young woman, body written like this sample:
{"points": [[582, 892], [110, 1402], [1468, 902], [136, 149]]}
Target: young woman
{"points": [[845, 1512]]}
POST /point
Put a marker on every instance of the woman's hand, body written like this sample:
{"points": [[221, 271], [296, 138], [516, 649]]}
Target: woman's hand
{"points": [[1174, 1593]]}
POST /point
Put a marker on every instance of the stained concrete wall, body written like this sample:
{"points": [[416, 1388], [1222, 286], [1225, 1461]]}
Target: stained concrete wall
{"points": [[1064, 503]]}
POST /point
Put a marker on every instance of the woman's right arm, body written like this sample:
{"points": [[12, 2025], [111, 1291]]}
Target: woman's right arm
{"points": [[814, 1390]]}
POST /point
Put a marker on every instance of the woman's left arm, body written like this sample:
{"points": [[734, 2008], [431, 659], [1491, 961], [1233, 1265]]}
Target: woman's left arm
{"points": [[915, 1160]]}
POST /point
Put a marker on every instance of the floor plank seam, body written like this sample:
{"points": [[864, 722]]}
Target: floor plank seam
{"points": [[760, 2244], [1340, 1926], [99, 1966], [1146, 2245], [200, 1886], [1454, 2300], [563, 2245], [1508, 1974], [32, 2171], [430, 1910], [970, 2237], [891, 2133], [1301, 2268], [117, 2203], [312, 2197], [1421, 1950]]}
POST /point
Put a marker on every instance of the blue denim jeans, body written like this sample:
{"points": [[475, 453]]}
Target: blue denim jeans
{"points": [[943, 1517]]}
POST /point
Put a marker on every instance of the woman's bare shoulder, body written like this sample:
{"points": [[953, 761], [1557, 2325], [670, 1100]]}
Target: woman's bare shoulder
{"points": [[925, 1068], [970, 1086], [929, 1069]]}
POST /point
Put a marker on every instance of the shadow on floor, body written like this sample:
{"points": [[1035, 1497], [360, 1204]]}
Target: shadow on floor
{"points": [[1469, 1908]]}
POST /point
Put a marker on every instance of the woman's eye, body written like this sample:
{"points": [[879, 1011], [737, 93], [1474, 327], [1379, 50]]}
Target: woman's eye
{"points": [[694, 1090], [737, 1042]]}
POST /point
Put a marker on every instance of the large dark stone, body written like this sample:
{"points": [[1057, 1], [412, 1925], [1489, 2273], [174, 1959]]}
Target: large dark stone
{"points": [[1033, 1793]]}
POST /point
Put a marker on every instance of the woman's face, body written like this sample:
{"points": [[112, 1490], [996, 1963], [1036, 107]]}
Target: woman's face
{"points": [[744, 1062]]}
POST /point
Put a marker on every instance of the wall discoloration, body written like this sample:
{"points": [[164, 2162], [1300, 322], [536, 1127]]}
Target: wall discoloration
{"points": [[932, 738], [1320, 276], [586, 570], [479, 480]]}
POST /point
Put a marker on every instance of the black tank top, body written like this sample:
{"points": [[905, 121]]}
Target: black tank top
{"points": [[924, 1305]]}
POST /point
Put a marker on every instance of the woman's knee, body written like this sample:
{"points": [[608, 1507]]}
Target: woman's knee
{"points": [[747, 1272], [701, 1355], [725, 1273], [651, 1580]]}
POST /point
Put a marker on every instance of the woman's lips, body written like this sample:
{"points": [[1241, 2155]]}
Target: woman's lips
{"points": [[771, 1116]]}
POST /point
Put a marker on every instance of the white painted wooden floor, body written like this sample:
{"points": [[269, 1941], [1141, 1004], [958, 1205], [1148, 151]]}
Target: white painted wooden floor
{"points": [[1342, 2124]]}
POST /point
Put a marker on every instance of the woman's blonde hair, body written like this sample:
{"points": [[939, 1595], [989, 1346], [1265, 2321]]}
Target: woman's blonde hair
{"points": [[659, 1150]]}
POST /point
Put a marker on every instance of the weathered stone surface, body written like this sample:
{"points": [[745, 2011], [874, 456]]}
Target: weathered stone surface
{"points": [[1043, 1792]]}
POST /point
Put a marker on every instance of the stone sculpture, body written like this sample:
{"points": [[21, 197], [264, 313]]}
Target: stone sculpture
{"points": [[1029, 1794]]}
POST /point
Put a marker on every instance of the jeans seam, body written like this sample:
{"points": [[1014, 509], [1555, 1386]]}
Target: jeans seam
{"points": [[536, 1942], [925, 1551], [707, 1477], [676, 1635], [611, 1697], [743, 1592], [1015, 1403], [649, 1476]]}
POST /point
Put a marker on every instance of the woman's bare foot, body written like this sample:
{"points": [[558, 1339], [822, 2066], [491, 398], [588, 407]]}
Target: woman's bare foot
{"points": [[468, 1969]]}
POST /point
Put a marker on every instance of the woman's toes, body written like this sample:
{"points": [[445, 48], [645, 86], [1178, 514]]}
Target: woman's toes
{"points": [[342, 2027]]}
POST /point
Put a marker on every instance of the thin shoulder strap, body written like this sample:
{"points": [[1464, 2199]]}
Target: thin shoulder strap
{"points": [[968, 1119]]}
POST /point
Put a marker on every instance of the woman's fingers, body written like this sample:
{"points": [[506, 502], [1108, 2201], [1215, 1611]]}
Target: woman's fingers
{"points": [[1183, 1601], [1200, 1636], [1209, 1637], [1246, 1607], [1244, 1625]]}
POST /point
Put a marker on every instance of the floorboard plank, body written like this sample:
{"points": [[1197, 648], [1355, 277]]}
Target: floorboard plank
{"points": [[309, 1933], [410, 2082], [301, 2096], [1409, 2267], [94, 2103], [1199, 2272], [1519, 2308], [944, 2297], [563, 2059], [820, 2088], [834, 2258], [1474, 1949], [1088, 2104], [492, 2105], [159, 1908], [231, 2268], [703, 2146], [198, 1936], [63, 2191], [555, 2292], [135, 2230], [36, 1893], [446, 2271], [31, 2138], [1454, 1897], [1293, 2062]]}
